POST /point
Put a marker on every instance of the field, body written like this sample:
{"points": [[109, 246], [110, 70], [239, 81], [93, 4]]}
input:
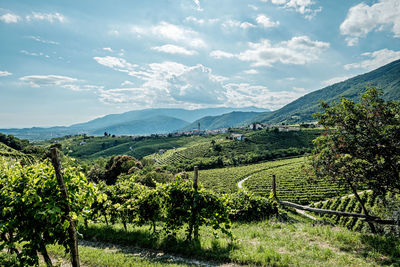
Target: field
{"points": [[90, 147], [183, 152], [294, 183], [9, 152], [269, 243], [221, 151]]}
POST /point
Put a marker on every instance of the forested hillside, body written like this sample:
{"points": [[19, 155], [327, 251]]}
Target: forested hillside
{"points": [[386, 78]]}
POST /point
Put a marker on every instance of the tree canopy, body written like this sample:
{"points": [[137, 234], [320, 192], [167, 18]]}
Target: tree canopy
{"points": [[361, 142]]}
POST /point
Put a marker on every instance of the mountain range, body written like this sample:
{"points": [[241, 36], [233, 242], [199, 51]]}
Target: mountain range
{"points": [[165, 120], [135, 122]]}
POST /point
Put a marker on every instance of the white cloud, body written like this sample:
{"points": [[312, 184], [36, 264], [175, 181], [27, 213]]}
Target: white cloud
{"points": [[174, 49], [304, 7], [298, 51], [10, 18], [58, 80], [40, 40], [115, 63], [244, 94], [4, 73], [141, 97], [109, 49], [376, 59], [251, 71], [41, 54], [169, 83], [253, 7], [50, 17], [174, 84], [362, 19], [127, 83], [197, 85], [178, 34], [221, 54], [28, 53], [47, 80], [113, 32], [245, 25], [335, 80], [237, 24], [197, 3], [266, 22], [194, 19]]}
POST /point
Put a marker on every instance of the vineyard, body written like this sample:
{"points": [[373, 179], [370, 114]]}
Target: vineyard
{"points": [[377, 205], [294, 183], [293, 180], [8, 152]]}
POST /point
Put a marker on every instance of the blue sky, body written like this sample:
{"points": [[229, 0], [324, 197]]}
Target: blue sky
{"points": [[64, 62]]}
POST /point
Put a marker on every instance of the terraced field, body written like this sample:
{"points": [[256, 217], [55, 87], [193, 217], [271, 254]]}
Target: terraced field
{"points": [[179, 155], [293, 182], [8, 152]]}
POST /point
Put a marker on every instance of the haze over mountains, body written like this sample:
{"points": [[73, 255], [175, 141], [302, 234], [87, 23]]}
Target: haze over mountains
{"points": [[135, 122], [167, 120]]}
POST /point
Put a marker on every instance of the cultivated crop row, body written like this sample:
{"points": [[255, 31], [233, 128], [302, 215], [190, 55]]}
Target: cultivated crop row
{"points": [[294, 182]]}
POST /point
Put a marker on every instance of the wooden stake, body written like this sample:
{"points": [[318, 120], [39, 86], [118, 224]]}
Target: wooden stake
{"points": [[274, 187], [73, 244], [195, 177]]}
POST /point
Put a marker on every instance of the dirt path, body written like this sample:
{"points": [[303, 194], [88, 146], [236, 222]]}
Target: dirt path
{"points": [[240, 183]]}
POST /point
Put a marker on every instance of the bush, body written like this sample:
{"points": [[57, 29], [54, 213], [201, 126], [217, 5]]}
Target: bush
{"points": [[247, 207]]}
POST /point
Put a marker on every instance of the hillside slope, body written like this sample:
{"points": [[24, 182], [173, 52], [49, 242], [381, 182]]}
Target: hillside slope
{"points": [[232, 119], [387, 78]]}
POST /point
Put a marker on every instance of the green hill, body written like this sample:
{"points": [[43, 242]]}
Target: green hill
{"points": [[220, 150], [232, 119], [387, 78]]}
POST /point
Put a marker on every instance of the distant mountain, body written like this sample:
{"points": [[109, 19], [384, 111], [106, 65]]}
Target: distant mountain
{"points": [[387, 78], [232, 119], [146, 121], [157, 124]]}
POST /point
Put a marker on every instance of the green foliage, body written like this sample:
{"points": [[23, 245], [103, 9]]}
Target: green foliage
{"points": [[119, 164], [361, 143], [259, 146], [182, 202], [33, 210], [248, 207]]}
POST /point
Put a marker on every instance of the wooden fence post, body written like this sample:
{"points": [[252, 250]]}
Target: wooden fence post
{"points": [[195, 208], [193, 225], [195, 177], [73, 244], [274, 187]]}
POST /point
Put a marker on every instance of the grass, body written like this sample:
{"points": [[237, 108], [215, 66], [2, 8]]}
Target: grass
{"points": [[272, 243], [294, 242], [113, 256]]}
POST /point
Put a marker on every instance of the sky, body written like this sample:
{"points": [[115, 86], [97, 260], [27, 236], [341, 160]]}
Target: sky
{"points": [[64, 62]]}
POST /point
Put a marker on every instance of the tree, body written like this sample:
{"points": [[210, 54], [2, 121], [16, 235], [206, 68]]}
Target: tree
{"points": [[361, 144]]}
